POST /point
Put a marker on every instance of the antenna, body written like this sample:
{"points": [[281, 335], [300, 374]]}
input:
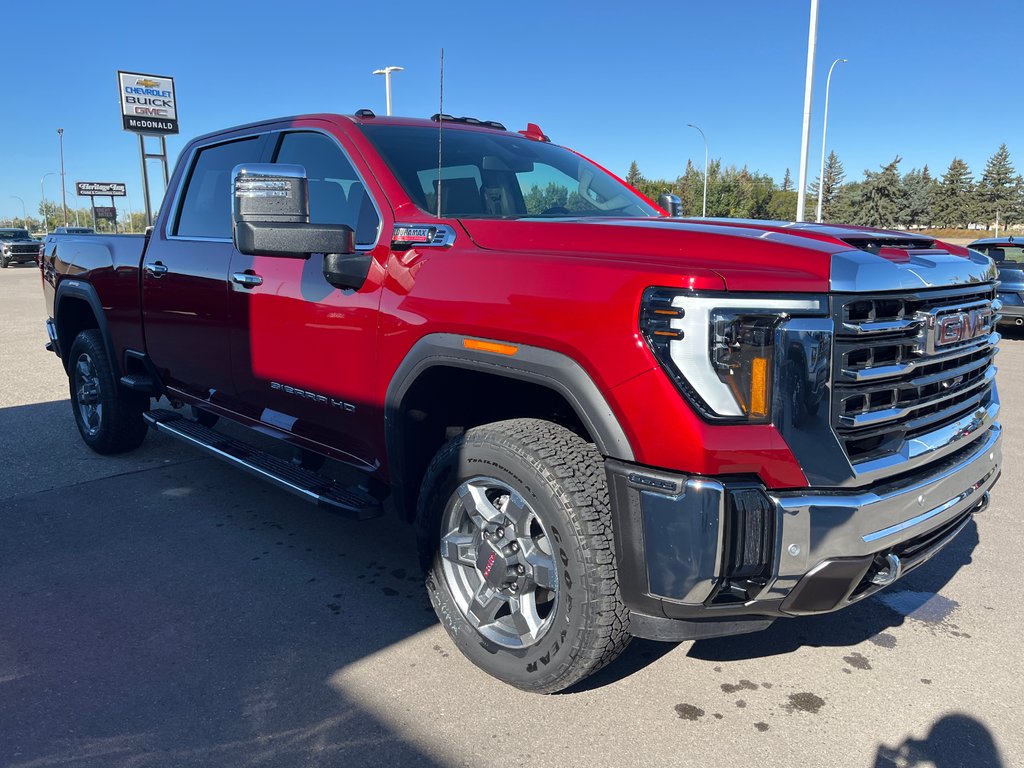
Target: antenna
{"points": [[440, 126]]}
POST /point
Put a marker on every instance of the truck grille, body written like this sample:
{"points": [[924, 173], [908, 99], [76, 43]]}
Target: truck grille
{"points": [[910, 363], [24, 250]]}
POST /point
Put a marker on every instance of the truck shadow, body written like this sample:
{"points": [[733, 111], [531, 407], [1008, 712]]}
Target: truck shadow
{"points": [[163, 609]]}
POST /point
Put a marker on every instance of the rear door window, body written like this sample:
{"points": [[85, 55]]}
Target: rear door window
{"points": [[206, 205]]}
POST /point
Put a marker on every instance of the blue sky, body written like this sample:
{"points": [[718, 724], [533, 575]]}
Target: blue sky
{"points": [[927, 79]]}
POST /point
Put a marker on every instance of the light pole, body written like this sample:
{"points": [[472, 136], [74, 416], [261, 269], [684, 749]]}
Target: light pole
{"points": [[42, 202], [805, 137], [824, 130], [704, 210], [387, 83], [63, 188], [24, 215]]}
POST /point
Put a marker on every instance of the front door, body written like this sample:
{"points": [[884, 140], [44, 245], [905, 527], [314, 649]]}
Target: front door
{"points": [[303, 351]]}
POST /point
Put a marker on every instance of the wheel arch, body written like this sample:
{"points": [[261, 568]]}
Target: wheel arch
{"points": [[541, 378], [77, 308]]}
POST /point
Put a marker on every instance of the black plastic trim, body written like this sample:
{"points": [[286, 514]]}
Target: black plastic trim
{"points": [[80, 290]]}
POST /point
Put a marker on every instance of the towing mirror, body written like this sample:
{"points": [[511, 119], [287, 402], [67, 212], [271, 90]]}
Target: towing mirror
{"points": [[671, 203], [270, 215]]}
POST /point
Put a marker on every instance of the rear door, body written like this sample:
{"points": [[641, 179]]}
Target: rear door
{"points": [[185, 275], [304, 352]]}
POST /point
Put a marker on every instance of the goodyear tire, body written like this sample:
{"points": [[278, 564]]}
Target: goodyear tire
{"points": [[515, 534], [109, 419]]}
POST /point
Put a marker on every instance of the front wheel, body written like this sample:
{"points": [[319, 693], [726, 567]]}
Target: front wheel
{"points": [[514, 527], [3, 262], [108, 418]]}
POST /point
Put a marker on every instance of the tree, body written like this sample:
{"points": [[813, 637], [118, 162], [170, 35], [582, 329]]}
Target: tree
{"points": [[787, 183], [998, 192], [849, 203], [919, 198], [954, 203], [633, 177], [834, 176], [883, 196]]}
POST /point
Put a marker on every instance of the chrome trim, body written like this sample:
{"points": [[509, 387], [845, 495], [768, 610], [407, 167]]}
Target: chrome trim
{"points": [[883, 326], [815, 527], [447, 235], [895, 414], [892, 572], [863, 272], [246, 280]]}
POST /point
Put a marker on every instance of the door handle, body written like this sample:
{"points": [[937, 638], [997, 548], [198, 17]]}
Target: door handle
{"points": [[247, 280], [156, 269]]}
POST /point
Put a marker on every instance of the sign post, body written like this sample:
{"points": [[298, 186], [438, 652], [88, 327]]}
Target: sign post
{"points": [[111, 189], [148, 108]]}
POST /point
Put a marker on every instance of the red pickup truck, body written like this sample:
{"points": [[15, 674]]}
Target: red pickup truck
{"points": [[604, 420]]}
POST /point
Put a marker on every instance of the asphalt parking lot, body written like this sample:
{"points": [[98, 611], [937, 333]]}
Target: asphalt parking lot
{"points": [[163, 609]]}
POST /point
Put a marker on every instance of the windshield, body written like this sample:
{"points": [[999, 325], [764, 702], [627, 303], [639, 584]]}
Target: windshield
{"points": [[500, 176], [14, 234], [1002, 253]]}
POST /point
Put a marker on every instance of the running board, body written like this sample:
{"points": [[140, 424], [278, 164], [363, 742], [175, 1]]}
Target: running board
{"points": [[348, 501]]}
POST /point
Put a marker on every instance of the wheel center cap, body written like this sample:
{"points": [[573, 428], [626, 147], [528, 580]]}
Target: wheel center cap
{"points": [[492, 565]]}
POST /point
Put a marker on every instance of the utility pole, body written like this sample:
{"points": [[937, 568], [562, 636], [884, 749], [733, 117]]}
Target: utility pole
{"points": [[63, 188], [824, 129], [805, 140], [42, 202]]}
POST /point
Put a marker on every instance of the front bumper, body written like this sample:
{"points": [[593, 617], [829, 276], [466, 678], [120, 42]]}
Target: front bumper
{"points": [[1011, 315], [680, 540]]}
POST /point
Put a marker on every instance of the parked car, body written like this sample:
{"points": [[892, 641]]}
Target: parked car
{"points": [[1008, 254], [17, 246], [603, 420]]}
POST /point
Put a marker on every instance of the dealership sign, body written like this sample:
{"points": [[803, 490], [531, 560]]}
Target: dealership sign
{"points": [[147, 103], [97, 188]]}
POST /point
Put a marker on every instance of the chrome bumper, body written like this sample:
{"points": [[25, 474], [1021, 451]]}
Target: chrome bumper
{"points": [[817, 529], [824, 549]]}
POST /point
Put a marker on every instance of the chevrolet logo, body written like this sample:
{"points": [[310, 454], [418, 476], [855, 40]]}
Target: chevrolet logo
{"points": [[145, 82]]}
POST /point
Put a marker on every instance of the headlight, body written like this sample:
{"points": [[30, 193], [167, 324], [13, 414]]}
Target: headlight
{"points": [[720, 350]]}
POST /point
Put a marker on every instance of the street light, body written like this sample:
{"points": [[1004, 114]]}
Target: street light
{"points": [[824, 129], [704, 211], [24, 216], [42, 202], [387, 83], [63, 189], [805, 136]]}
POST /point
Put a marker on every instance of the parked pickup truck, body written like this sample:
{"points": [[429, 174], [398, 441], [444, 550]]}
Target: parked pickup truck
{"points": [[1008, 255], [602, 419]]}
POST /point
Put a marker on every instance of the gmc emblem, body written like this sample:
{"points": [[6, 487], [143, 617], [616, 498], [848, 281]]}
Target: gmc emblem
{"points": [[954, 327]]}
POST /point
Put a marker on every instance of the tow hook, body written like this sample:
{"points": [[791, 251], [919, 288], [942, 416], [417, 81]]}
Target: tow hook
{"points": [[892, 571]]}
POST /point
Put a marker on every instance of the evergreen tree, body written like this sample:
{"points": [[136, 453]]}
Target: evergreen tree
{"points": [[849, 204], [998, 192], [787, 183], [633, 177], [919, 197], [883, 196], [834, 176], [954, 201]]}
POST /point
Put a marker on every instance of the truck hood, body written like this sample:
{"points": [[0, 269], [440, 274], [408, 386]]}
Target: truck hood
{"points": [[748, 255]]}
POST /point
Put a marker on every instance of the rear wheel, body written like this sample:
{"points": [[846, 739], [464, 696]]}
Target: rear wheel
{"points": [[109, 419], [514, 527]]}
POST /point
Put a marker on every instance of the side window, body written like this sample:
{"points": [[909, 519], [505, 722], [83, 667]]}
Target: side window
{"points": [[336, 195], [206, 206]]}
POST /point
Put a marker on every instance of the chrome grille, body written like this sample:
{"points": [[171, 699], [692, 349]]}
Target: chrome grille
{"points": [[897, 378]]}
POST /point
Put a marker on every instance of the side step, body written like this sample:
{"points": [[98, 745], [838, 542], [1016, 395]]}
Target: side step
{"points": [[139, 382], [348, 501]]}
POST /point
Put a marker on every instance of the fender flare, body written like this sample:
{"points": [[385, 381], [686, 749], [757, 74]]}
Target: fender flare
{"points": [[70, 288], [536, 365]]}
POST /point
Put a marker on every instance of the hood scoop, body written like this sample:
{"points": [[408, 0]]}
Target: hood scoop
{"points": [[875, 243]]}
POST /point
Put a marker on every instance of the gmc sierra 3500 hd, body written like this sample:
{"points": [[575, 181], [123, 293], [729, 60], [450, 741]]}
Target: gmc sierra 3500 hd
{"points": [[604, 420]]}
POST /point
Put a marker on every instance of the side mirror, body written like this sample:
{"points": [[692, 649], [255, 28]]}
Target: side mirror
{"points": [[671, 203], [270, 217]]}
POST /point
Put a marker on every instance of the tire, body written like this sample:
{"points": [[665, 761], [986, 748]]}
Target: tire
{"points": [[109, 419], [3, 262], [544, 488]]}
